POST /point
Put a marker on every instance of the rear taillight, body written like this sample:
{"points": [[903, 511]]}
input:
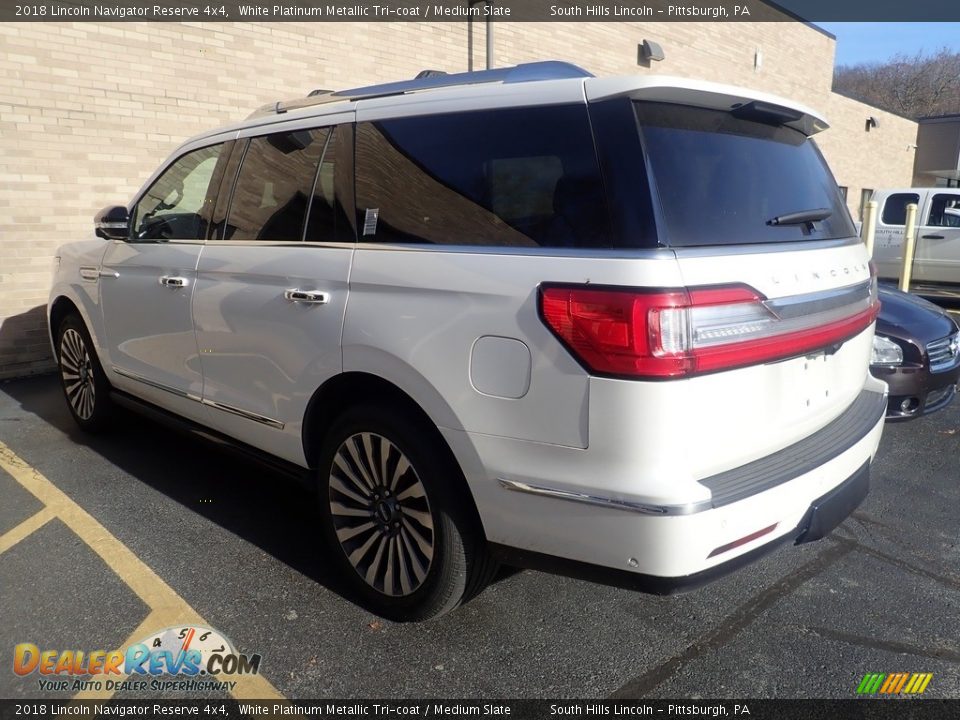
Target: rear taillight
{"points": [[660, 334]]}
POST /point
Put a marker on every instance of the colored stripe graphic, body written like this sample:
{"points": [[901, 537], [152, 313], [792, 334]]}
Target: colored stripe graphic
{"points": [[894, 683], [870, 683]]}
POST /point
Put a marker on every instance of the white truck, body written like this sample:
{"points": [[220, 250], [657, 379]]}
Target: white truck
{"points": [[937, 255]]}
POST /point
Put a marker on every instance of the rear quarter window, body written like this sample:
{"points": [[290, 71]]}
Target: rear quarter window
{"points": [[514, 177]]}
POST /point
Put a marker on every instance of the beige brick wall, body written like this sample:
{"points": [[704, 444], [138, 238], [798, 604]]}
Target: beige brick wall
{"points": [[87, 111], [879, 158]]}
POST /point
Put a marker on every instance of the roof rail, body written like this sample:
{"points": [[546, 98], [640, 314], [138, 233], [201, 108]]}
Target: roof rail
{"points": [[525, 72]]}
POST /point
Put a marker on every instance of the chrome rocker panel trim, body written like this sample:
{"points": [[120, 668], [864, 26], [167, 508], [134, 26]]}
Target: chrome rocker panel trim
{"points": [[262, 419]]}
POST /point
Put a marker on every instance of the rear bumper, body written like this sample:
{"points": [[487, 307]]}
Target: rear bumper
{"points": [[721, 523], [824, 514]]}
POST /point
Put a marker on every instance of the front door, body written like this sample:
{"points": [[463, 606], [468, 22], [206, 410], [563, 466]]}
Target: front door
{"points": [[147, 284]]}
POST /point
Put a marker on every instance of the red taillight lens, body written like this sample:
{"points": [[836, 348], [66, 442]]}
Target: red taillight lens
{"points": [[609, 330], [676, 332]]}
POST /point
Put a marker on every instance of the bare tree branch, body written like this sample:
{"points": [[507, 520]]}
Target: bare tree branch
{"points": [[914, 87]]}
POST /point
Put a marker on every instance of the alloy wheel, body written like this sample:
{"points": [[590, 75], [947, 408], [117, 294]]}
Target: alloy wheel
{"points": [[381, 514], [76, 367]]}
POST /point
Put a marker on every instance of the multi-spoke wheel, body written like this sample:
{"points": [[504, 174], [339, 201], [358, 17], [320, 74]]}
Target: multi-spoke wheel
{"points": [[394, 509], [381, 514], [84, 384]]}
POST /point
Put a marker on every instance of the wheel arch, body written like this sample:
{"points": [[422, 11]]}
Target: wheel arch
{"points": [[357, 387], [58, 310]]}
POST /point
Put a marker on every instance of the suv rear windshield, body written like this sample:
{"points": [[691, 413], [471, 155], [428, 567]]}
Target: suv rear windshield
{"points": [[723, 180]]}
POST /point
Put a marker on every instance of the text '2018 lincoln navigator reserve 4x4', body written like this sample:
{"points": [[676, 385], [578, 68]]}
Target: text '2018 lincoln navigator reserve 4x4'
{"points": [[615, 326]]}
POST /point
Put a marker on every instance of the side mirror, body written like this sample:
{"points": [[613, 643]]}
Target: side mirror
{"points": [[112, 223]]}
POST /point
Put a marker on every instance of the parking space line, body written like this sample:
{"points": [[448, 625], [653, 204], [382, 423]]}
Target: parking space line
{"points": [[26, 528], [167, 608], [151, 623]]}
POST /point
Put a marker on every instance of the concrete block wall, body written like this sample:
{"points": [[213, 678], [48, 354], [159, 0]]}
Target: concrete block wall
{"points": [[88, 110]]}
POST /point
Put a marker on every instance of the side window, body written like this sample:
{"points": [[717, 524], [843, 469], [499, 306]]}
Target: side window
{"points": [[177, 205], [895, 209], [945, 210], [510, 177], [327, 221], [273, 189]]}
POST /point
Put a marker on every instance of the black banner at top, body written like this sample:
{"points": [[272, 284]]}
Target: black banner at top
{"points": [[462, 10]]}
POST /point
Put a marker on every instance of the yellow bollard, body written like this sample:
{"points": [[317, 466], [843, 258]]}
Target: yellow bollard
{"points": [[869, 228], [909, 245]]}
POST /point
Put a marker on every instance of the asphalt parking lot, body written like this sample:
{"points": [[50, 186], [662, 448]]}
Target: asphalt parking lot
{"points": [[102, 537]]}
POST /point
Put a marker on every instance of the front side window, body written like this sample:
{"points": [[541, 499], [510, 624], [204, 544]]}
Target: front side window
{"points": [[512, 177], [273, 189], [177, 205], [945, 211], [895, 209]]}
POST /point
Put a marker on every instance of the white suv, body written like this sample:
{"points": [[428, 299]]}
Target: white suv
{"points": [[618, 327]]}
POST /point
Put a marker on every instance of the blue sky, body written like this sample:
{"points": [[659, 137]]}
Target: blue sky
{"points": [[859, 42]]}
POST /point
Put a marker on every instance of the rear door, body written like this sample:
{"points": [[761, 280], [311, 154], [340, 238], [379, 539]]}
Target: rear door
{"points": [[272, 284], [147, 283], [937, 257]]}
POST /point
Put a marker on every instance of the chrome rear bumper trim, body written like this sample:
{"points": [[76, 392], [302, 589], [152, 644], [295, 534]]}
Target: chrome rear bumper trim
{"points": [[607, 502], [831, 441]]}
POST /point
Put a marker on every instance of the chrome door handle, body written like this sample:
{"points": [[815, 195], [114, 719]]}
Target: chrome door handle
{"points": [[307, 296], [173, 282]]}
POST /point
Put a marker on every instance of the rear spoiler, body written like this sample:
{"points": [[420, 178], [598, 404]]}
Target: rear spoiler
{"points": [[697, 93]]}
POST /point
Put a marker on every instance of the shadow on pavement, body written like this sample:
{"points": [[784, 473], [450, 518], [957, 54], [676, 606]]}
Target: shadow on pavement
{"points": [[255, 503], [263, 507]]}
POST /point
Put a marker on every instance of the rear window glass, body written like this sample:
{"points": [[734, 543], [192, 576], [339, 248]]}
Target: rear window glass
{"points": [[895, 209], [523, 177], [722, 180]]}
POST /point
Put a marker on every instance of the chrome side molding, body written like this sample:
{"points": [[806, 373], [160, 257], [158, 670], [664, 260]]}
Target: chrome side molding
{"points": [[256, 417], [154, 384], [262, 419]]}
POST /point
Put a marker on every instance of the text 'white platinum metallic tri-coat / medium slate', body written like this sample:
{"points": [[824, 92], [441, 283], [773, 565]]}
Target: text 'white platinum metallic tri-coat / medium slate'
{"points": [[616, 327]]}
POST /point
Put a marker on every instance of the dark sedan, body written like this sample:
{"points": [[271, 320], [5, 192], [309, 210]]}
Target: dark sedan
{"points": [[916, 351]]}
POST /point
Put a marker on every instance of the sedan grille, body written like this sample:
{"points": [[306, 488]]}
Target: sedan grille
{"points": [[944, 353]]}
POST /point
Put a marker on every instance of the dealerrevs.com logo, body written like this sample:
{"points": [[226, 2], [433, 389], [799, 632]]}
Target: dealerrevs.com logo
{"points": [[187, 653]]}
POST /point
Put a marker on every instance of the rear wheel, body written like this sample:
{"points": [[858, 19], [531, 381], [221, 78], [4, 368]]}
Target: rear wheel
{"points": [[84, 384], [395, 515]]}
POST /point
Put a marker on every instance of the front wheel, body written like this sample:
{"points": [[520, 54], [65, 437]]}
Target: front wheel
{"points": [[396, 517], [84, 384]]}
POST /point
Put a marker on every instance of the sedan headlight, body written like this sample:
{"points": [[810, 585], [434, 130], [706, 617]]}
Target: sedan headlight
{"points": [[885, 352]]}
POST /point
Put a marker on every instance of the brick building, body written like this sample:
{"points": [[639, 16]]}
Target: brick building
{"points": [[88, 110]]}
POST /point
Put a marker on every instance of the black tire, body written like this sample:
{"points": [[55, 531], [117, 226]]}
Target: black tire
{"points": [[85, 387], [398, 503]]}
